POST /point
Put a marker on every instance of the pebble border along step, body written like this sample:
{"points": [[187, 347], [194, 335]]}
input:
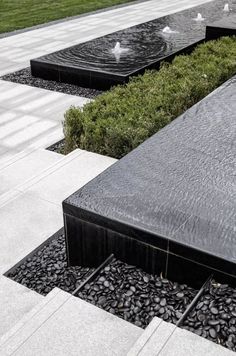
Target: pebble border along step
{"points": [[214, 315], [136, 296], [132, 294], [46, 268]]}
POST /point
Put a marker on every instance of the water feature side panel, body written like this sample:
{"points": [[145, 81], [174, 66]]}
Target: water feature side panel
{"points": [[118, 55], [77, 76], [89, 244], [225, 27]]}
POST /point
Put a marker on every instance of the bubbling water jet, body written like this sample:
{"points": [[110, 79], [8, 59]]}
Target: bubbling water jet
{"points": [[118, 50], [199, 17]]}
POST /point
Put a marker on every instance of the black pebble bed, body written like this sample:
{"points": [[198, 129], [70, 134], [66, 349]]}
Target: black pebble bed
{"points": [[214, 316], [136, 296], [47, 269], [24, 77], [132, 294], [57, 147]]}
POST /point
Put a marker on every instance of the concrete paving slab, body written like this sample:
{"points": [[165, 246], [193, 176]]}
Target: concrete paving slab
{"points": [[157, 340], [48, 308], [79, 328], [25, 222], [24, 169], [183, 342], [57, 185], [145, 337], [16, 301], [26, 317]]}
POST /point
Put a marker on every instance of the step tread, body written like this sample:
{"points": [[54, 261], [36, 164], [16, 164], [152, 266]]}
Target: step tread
{"points": [[145, 336], [183, 342], [16, 303], [69, 325]]}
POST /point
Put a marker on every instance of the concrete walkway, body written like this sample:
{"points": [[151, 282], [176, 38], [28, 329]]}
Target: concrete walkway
{"points": [[33, 181]]}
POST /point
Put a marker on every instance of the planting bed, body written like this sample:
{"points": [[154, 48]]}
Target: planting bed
{"points": [[46, 268], [214, 316], [93, 64], [24, 76]]}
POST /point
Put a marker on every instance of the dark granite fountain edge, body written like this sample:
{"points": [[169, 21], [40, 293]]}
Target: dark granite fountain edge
{"points": [[55, 71], [101, 80]]}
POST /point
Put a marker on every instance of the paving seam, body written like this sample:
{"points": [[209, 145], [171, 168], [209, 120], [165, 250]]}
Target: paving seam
{"points": [[22, 322], [47, 172], [39, 327], [148, 339]]}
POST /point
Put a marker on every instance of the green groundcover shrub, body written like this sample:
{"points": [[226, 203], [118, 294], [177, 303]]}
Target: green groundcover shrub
{"points": [[119, 120]]}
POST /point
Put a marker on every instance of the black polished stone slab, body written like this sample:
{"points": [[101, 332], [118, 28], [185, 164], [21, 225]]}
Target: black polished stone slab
{"points": [[175, 194], [223, 27], [92, 64]]}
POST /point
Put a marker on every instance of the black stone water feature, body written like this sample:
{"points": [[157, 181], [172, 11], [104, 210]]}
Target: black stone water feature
{"points": [[223, 27], [169, 205], [94, 64]]}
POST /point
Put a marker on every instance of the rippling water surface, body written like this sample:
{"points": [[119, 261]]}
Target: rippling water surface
{"points": [[146, 42]]}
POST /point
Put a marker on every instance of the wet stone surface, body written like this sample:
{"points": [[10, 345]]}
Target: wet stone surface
{"points": [[47, 269], [136, 296], [214, 316], [24, 77]]}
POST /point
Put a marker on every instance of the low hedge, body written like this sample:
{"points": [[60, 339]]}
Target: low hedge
{"points": [[119, 120]]}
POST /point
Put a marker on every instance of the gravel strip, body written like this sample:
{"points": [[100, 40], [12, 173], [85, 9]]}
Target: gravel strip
{"points": [[24, 77], [57, 147], [47, 269], [136, 296], [214, 317], [132, 294]]}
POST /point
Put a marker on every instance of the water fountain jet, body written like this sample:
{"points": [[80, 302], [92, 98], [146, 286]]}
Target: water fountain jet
{"points": [[118, 50], [199, 17], [226, 8], [168, 30]]}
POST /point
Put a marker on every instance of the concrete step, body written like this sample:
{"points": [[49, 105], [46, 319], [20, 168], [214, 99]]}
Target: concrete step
{"points": [[165, 339], [183, 342], [31, 212], [56, 170], [25, 168], [58, 182], [15, 301], [153, 338], [66, 325]]}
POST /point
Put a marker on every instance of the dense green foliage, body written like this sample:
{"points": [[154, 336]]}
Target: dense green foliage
{"points": [[119, 120], [18, 14]]}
